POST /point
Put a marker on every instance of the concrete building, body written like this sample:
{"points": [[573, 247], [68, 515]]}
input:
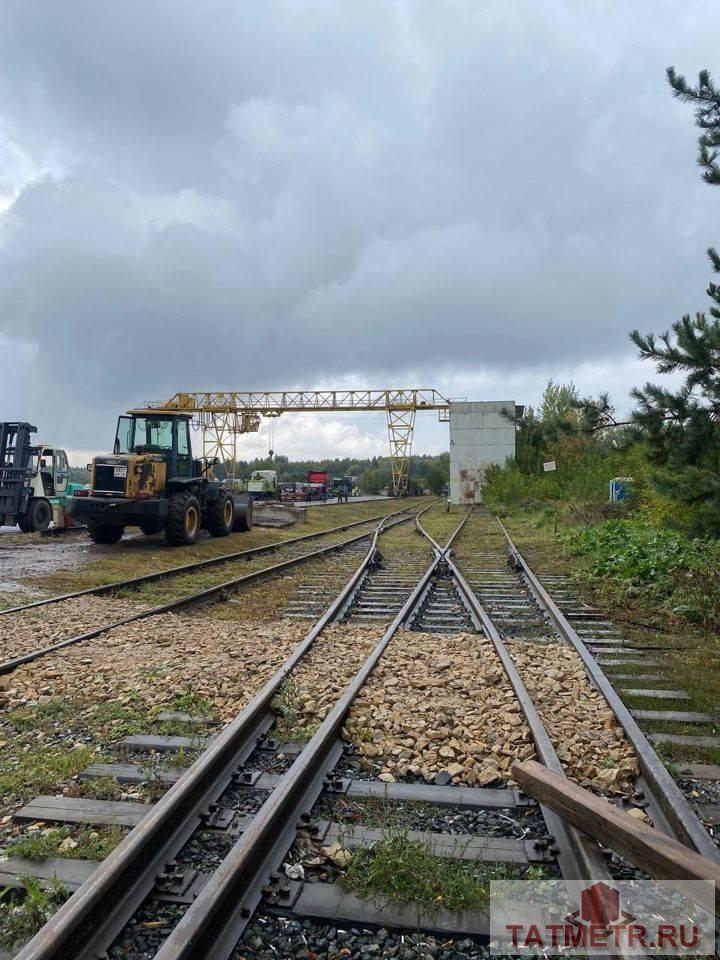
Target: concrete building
{"points": [[481, 434]]}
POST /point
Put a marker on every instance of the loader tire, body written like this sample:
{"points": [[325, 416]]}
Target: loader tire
{"points": [[151, 527], [100, 533], [183, 520], [39, 514], [220, 514]]}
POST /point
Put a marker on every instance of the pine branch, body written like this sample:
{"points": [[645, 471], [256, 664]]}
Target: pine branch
{"points": [[706, 98]]}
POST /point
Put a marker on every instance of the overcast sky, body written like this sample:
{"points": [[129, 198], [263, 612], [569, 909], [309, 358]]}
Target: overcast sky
{"points": [[208, 194]]}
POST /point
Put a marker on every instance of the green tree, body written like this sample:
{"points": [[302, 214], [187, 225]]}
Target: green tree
{"points": [[682, 426], [705, 97], [437, 475], [370, 481], [559, 405], [557, 416]]}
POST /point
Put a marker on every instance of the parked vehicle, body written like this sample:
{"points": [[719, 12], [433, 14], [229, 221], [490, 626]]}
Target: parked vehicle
{"points": [[316, 492], [345, 484], [317, 476], [152, 481], [288, 491], [263, 484], [317, 485], [415, 489], [33, 480]]}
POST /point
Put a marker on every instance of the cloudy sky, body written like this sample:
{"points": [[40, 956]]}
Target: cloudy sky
{"points": [[463, 194]]}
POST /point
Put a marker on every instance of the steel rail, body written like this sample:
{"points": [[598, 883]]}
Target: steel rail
{"points": [[441, 551], [578, 855], [85, 925], [674, 807], [208, 595], [132, 582], [215, 921]]}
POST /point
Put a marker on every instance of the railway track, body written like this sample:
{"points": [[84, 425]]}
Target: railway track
{"points": [[457, 593], [28, 619], [131, 583]]}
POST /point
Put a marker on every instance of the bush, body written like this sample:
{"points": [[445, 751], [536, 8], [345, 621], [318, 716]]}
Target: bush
{"points": [[680, 573], [577, 491], [396, 869]]}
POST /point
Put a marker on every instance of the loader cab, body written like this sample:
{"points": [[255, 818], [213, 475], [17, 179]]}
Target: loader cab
{"points": [[158, 434]]}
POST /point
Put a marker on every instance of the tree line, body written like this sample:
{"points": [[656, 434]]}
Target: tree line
{"points": [[374, 473]]}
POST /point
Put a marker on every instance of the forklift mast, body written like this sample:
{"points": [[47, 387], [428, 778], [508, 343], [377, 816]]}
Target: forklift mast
{"points": [[15, 453]]}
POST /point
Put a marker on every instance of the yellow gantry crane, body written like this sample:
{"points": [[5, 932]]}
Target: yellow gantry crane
{"points": [[224, 415]]}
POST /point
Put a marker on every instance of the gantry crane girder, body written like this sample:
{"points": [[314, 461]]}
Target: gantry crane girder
{"points": [[223, 415]]}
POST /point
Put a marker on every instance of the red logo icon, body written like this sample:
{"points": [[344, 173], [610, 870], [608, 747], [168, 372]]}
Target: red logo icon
{"points": [[600, 909]]}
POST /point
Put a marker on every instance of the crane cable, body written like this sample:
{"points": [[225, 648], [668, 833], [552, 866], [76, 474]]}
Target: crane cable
{"points": [[271, 437]]}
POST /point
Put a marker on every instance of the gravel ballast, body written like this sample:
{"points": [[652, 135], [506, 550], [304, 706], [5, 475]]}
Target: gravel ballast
{"points": [[590, 742], [155, 659], [319, 680], [437, 704], [511, 822], [272, 937], [440, 703], [41, 626]]}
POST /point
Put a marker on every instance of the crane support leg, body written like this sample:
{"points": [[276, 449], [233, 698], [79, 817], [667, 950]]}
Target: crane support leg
{"points": [[400, 432], [219, 438]]}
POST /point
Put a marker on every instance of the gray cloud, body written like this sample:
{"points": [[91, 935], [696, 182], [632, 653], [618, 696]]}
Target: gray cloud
{"points": [[210, 194]]}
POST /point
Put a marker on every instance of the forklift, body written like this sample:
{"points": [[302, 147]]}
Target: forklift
{"points": [[33, 480]]}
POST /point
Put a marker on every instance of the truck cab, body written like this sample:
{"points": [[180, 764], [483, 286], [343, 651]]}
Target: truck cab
{"points": [[167, 436]]}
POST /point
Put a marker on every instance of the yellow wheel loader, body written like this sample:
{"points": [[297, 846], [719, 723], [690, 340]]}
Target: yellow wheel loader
{"points": [[152, 481]]}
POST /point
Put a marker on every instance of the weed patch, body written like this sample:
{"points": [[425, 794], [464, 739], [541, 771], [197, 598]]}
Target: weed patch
{"points": [[681, 573], [40, 770], [289, 724], [399, 870], [24, 912], [83, 844], [45, 717], [96, 788], [191, 703]]}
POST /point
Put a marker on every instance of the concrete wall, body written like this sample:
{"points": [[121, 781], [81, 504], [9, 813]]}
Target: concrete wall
{"points": [[269, 513], [480, 434]]}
